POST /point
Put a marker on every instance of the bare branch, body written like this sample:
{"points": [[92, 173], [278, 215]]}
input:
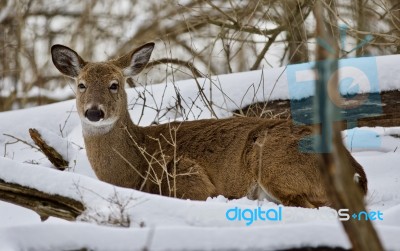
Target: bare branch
{"points": [[260, 57], [54, 157], [189, 65], [22, 141], [249, 29]]}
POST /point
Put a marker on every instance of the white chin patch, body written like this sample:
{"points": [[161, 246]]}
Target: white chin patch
{"points": [[101, 122], [99, 127]]}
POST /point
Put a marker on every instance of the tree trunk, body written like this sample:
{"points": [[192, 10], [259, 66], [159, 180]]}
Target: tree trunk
{"points": [[335, 169]]}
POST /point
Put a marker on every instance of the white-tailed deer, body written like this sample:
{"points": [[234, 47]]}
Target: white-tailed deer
{"points": [[233, 157]]}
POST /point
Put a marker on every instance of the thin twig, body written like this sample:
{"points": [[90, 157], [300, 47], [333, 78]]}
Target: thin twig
{"points": [[23, 141], [176, 61]]}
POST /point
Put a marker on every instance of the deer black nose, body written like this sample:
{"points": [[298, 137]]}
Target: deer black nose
{"points": [[94, 115]]}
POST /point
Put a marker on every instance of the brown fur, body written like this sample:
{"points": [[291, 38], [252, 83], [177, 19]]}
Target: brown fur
{"points": [[233, 157]]}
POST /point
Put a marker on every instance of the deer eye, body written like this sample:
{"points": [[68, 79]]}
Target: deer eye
{"points": [[114, 87], [138, 66], [81, 87]]}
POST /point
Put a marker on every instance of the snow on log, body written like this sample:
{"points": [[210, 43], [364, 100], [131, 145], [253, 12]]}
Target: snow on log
{"points": [[44, 204]]}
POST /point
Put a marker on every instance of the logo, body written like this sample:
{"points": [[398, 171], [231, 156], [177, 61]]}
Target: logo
{"points": [[356, 97], [251, 215], [344, 215]]}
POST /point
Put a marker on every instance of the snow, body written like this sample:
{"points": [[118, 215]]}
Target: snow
{"points": [[161, 223], [57, 94]]}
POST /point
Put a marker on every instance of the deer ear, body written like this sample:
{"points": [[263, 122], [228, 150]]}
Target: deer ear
{"points": [[135, 61], [67, 60]]}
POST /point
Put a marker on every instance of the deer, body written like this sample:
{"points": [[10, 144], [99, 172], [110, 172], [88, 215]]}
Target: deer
{"points": [[234, 157]]}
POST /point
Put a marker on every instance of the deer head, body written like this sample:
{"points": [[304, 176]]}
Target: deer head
{"points": [[100, 96]]}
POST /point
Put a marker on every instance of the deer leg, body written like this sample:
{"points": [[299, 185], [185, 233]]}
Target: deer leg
{"points": [[188, 180]]}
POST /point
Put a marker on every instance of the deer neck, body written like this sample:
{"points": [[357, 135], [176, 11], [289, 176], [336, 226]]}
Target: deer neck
{"points": [[114, 153]]}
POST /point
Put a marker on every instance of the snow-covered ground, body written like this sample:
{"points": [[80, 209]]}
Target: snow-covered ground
{"points": [[161, 223]]}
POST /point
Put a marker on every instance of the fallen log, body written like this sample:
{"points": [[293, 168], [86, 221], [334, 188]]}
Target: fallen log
{"points": [[44, 204]]}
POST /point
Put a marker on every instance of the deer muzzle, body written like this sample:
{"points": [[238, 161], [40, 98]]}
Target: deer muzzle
{"points": [[94, 114]]}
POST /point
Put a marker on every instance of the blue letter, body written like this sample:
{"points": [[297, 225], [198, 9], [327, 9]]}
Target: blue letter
{"points": [[234, 210], [361, 213], [260, 214], [372, 215], [379, 215], [275, 216], [248, 219]]}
